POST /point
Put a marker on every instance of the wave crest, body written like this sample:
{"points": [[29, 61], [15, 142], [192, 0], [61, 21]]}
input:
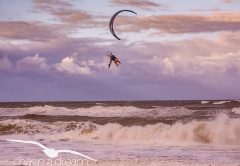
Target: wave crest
{"points": [[222, 131]]}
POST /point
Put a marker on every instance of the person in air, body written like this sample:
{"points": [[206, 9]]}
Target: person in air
{"points": [[114, 59]]}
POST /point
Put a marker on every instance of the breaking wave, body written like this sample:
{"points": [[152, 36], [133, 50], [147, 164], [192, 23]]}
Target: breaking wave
{"points": [[98, 111], [236, 110], [221, 102], [220, 131]]}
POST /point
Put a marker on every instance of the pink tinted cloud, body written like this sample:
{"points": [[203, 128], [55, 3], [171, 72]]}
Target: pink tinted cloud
{"points": [[65, 12], [143, 4], [187, 58], [177, 24], [206, 10], [227, 1], [218, 55], [31, 31]]}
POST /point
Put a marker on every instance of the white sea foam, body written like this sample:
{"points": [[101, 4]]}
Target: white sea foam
{"points": [[99, 111], [236, 110], [220, 102], [204, 102]]}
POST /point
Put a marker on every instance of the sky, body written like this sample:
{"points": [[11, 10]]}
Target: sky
{"points": [[55, 50]]}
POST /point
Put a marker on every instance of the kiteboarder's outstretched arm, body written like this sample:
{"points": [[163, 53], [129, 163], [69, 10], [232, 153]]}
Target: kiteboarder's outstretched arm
{"points": [[110, 63]]}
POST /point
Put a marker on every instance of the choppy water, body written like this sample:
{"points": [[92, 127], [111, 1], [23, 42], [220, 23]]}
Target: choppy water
{"points": [[124, 133]]}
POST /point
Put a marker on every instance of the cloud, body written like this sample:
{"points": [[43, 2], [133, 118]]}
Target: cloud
{"points": [[228, 1], [51, 3], [65, 12], [83, 57], [206, 10], [143, 4], [177, 24], [30, 31], [32, 63], [148, 70], [189, 65], [184, 58], [5, 63], [68, 65], [195, 57], [74, 17]]}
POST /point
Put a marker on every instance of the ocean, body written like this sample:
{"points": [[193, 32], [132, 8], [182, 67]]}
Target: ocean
{"points": [[134, 133]]}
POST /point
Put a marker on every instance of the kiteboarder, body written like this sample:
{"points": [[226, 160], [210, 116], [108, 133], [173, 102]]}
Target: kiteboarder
{"points": [[114, 59], [109, 54]]}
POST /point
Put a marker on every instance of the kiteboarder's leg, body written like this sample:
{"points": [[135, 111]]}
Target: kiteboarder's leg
{"points": [[116, 62], [109, 63]]}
